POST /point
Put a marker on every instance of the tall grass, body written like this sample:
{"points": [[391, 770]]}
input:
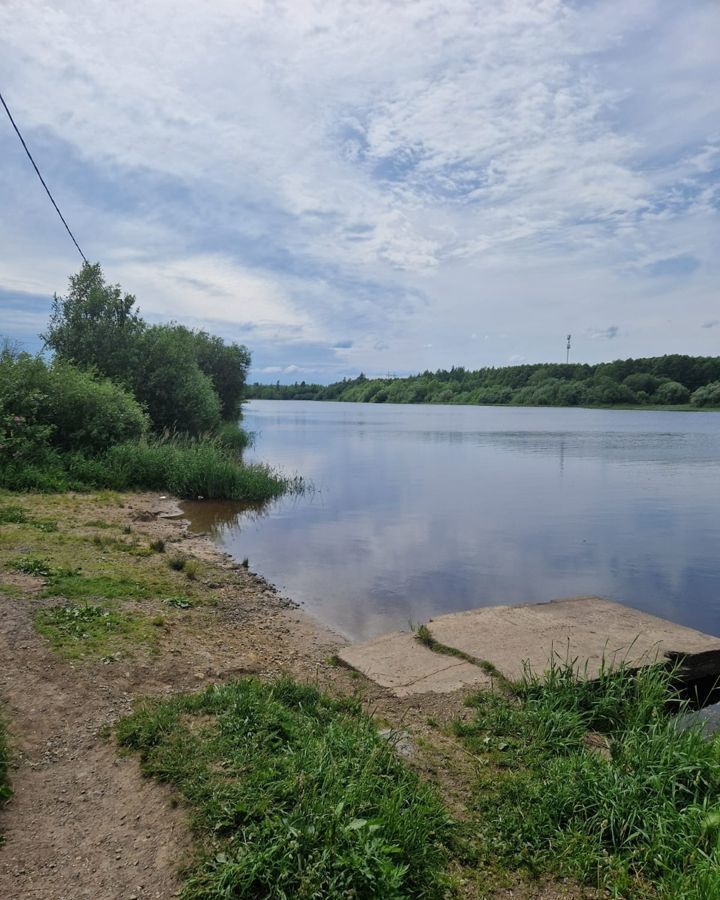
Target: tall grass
{"points": [[184, 466], [596, 780], [292, 795]]}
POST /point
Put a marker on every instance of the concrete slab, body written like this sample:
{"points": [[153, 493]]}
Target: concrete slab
{"points": [[582, 628], [397, 661], [586, 628]]}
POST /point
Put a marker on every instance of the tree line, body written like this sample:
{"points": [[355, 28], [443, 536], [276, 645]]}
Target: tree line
{"points": [[673, 380]]}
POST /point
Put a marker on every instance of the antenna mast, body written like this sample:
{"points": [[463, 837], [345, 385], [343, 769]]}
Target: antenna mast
{"points": [[567, 354]]}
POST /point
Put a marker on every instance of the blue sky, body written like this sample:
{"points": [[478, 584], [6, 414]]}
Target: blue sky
{"points": [[382, 186]]}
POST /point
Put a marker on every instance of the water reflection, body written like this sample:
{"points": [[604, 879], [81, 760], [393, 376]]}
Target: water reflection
{"points": [[423, 510]]}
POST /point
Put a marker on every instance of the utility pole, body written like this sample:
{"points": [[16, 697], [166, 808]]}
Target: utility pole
{"points": [[567, 354]]}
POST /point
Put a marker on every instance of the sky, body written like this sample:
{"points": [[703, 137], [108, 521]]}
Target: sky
{"points": [[384, 186]]}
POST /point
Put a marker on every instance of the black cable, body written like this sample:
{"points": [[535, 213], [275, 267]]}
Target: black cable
{"points": [[42, 180]]}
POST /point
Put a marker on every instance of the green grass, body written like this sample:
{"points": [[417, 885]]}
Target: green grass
{"points": [[77, 631], [12, 515], [634, 809], [74, 586], [292, 795]]}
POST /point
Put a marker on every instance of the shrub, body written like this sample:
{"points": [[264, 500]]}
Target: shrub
{"points": [[60, 405], [231, 437], [708, 395], [90, 414], [671, 392]]}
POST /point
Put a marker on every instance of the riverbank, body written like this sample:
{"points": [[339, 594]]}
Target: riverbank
{"points": [[82, 821], [108, 599]]}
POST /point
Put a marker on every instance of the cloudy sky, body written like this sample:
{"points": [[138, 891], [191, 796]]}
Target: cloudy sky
{"points": [[386, 185]]}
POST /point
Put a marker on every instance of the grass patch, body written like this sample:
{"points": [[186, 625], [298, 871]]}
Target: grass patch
{"points": [[292, 794], [12, 515], [596, 781], [16, 515], [192, 569], [74, 586], [84, 630], [32, 565]]}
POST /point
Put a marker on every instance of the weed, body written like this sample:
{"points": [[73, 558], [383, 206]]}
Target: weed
{"points": [[73, 586], [46, 525], [191, 569], [127, 529], [97, 523], [245, 563], [292, 794], [176, 562], [78, 631], [425, 637], [12, 515], [158, 545], [179, 602], [32, 565]]}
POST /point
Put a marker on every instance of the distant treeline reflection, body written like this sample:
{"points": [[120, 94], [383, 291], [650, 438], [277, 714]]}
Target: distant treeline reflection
{"points": [[673, 380]]}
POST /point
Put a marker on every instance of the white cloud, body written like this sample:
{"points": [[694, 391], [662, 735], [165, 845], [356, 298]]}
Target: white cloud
{"points": [[406, 172]]}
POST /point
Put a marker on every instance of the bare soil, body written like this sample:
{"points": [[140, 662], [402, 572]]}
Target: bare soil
{"points": [[83, 822]]}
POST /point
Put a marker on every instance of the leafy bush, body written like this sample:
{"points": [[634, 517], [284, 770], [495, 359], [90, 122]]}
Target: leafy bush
{"points": [[708, 395], [185, 379], [642, 381], [671, 392], [90, 414], [233, 438], [60, 406]]}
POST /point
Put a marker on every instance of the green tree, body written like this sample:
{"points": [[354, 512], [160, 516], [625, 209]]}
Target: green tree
{"points": [[671, 392], [708, 395], [227, 366], [169, 382], [96, 326]]}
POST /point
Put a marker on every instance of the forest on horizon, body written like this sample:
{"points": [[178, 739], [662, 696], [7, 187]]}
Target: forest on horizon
{"points": [[672, 380]]}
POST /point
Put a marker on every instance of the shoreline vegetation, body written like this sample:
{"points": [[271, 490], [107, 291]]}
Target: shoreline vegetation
{"points": [[673, 382], [125, 405]]}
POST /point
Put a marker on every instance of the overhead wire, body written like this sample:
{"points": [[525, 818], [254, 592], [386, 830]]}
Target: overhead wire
{"points": [[42, 180]]}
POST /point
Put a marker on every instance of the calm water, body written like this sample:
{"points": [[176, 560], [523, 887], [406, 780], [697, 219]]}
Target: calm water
{"points": [[421, 510]]}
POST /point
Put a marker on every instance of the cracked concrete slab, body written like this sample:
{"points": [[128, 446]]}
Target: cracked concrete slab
{"points": [[586, 629], [397, 661]]}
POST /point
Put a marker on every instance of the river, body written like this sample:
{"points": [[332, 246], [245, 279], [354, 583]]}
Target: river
{"points": [[418, 510]]}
